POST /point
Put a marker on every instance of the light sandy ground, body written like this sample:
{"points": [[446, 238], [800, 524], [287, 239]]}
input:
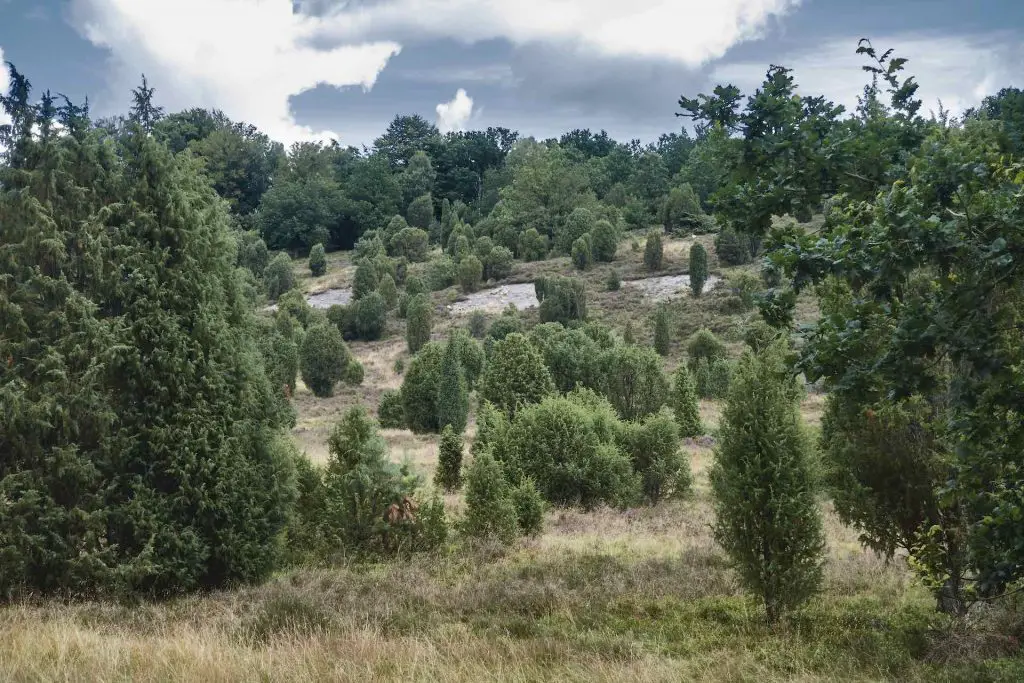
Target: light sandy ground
{"points": [[497, 299], [669, 286]]}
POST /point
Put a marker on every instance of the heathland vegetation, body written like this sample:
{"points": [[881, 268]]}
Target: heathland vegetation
{"points": [[752, 410]]}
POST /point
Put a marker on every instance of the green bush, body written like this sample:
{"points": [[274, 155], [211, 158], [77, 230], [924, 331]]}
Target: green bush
{"points": [[654, 251], [703, 344], [471, 273], [414, 285], [604, 241], [252, 253], [389, 290], [369, 317], [662, 332], [448, 475], [365, 281], [698, 269], [767, 517], [633, 381], [653, 446], [759, 335], [390, 412], [369, 501], [324, 358], [745, 286], [530, 507], [515, 375], [733, 249], [578, 224], [682, 213], [505, 324], [440, 273], [399, 366], [278, 277], [419, 389], [628, 336], [570, 356], [419, 321], [317, 260], [491, 428], [582, 259], [412, 243], [566, 444], [498, 264], [684, 404], [478, 324], [712, 378], [452, 393], [421, 212], [533, 246], [562, 299], [490, 510], [354, 373], [396, 225], [614, 282], [471, 357]]}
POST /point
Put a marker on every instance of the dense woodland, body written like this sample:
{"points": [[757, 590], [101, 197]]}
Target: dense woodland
{"points": [[147, 386]]}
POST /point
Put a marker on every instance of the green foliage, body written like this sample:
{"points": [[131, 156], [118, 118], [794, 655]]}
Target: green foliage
{"points": [[759, 335], [354, 373], [703, 344], [683, 401], [369, 316], [698, 268], [712, 377], [653, 446], [414, 285], [566, 444], [498, 264], [420, 389], [317, 260], [767, 517], [533, 246], [654, 251], [732, 248], [490, 510], [628, 337], [633, 381], [293, 305], [441, 273], [505, 324], [369, 501], [562, 299], [365, 280], [745, 287], [477, 324], [614, 282], [604, 241], [452, 393], [143, 446], [530, 507], [581, 256], [420, 213], [448, 475], [323, 360], [296, 213], [412, 243], [662, 332], [491, 428], [390, 412], [388, 291], [471, 273], [419, 314], [515, 375], [579, 223], [570, 355], [252, 253], [278, 277], [471, 356], [682, 214]]}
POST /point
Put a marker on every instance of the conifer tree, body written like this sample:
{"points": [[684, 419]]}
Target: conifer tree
{"points": [[515, 375], [365, 280], [452, 395], [683, 401], [628, 336], [418, 323], [698, 268], [317, 260], [662, 335], [654, 251], [490, 510], [324, 359], [388, 290], [767, 518], [448, 475]]}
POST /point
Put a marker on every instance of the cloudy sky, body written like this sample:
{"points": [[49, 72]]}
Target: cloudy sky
{"points": [[316, 68]]}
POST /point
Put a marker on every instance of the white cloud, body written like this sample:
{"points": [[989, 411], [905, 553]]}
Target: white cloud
{"points": [[5, 83], [958, 70], [690, 32], [245, 57], [453, 116]]}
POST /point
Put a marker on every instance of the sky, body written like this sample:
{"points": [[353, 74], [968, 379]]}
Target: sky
{"points": [[317, 69]]}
